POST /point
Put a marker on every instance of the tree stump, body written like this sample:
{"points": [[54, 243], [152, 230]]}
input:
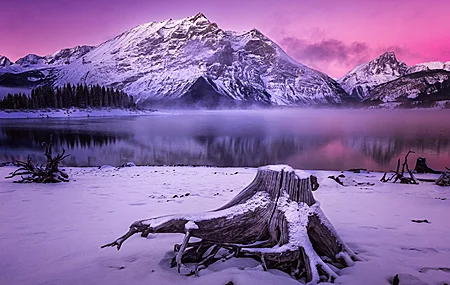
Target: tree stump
{"points": [[275, 220], [422, 166]]}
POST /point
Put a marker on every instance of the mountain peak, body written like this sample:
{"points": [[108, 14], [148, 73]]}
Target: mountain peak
{"points": [[199, 17], [387, 64], [388, 54], [387, 57], [4, 61], [30, 59], [67, 55], [366, 76], [256, 32]]}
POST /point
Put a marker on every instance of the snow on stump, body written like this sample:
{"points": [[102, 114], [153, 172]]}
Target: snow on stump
{"points": [[275, 220]]}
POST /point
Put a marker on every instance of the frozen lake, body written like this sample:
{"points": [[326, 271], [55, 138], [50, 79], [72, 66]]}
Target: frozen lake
{"points": [[305, 139]]}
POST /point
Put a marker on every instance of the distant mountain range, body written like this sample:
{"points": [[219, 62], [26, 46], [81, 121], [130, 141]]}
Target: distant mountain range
{"points": [[192, 62], [388, 82]]}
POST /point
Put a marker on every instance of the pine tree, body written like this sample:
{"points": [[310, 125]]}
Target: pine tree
{"points": [[103, 95], [68, 96]]}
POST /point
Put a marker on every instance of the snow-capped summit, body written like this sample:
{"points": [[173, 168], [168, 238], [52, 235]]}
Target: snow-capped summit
{"points": [[64, 56], [31, 59], [199, 17], [193, 58], [67, 55], [365, 77], [434, 65], [4, 61], [32, 62]]}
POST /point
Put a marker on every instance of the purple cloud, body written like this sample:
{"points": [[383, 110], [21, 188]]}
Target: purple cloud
{"points": [[327, 53]]}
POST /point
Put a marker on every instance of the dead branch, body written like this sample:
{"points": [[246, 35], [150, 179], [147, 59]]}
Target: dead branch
{"points": [[400, 176], [338, 181]]}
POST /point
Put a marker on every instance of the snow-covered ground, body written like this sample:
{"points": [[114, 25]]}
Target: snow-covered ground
{"points": [[51, 234], [74, 113]]}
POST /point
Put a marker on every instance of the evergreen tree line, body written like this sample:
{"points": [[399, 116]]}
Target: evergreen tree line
{"points": [[82, 96]]}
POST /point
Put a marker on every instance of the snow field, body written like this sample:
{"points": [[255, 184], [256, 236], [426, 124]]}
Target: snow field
{"points": [[51, 234]]}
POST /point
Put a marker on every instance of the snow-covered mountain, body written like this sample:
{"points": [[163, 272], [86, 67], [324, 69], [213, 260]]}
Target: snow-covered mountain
{"points": [[61, 57], [68, 55], [190, 60], [4, 61], [420, 89], [388, 82], [31, 60], [193, 57], [367, 76], [46, 65], [435, 65]]}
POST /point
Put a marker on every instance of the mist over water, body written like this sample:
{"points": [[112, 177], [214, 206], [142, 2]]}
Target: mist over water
{"points": [[303, 138]]}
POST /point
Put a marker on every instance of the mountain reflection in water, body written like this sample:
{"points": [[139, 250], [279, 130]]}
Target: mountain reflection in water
{"points": [[306, 139]]}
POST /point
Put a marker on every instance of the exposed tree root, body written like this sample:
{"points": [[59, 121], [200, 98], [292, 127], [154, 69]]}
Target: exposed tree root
{"points": [[50, 173], [275, 220]]}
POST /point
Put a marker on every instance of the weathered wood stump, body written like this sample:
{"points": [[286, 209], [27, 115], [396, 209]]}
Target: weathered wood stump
{"points": [[422, 166], [275, 220]]}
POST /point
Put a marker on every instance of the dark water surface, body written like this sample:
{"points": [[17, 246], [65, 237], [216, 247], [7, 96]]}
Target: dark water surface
{"points": [[306, 139]]}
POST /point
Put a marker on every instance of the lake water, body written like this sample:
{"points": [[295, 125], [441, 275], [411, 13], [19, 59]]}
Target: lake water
{"points": [[305, 139]]}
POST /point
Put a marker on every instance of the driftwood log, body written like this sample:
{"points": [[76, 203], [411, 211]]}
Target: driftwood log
{"points": [[275, 220], [48, 173]]}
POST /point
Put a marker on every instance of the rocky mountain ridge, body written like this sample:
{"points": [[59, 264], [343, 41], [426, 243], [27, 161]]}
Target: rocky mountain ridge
{"points": [[359, 81], [169, 60], [429, 88], [4, 61], [386, 80]]}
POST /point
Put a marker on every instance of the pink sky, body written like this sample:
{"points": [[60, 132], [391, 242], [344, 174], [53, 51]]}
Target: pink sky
{"points": [[329, 35]]}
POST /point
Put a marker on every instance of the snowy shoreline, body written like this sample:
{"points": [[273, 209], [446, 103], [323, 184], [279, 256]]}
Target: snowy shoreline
{"points": [[75, 113], [51, 234]]}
